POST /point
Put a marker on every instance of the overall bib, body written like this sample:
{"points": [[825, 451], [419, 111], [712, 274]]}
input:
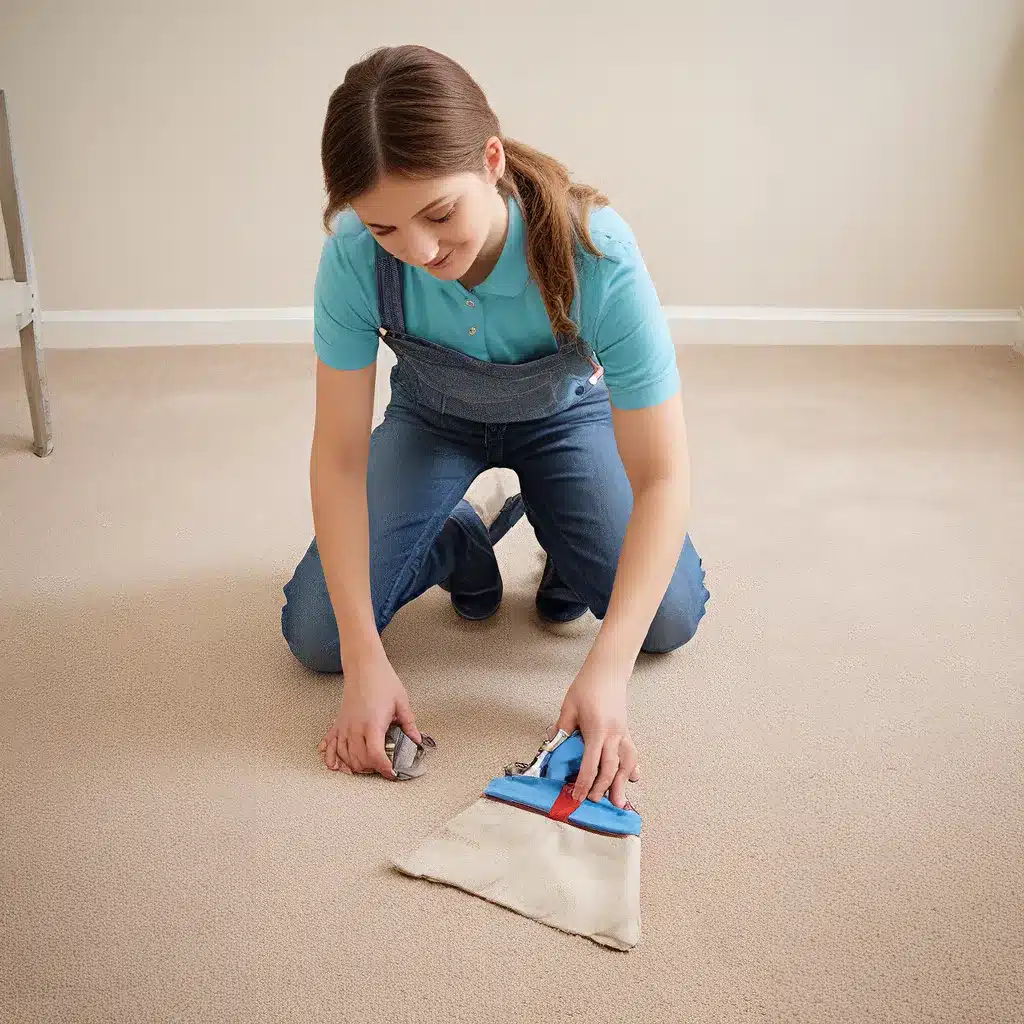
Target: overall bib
{"points": [[451, 417], [450, 382]]}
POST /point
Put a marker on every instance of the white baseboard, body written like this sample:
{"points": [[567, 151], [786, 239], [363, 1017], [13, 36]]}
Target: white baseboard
{"points": [[772, 325], [137, 328], [728, 325]]}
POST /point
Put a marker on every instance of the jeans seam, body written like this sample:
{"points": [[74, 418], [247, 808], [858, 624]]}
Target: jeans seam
{"points": [[561, 539], [414, 561]]}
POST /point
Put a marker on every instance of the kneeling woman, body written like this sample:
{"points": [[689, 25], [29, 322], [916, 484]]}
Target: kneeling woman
{"points": [[529, 337]]}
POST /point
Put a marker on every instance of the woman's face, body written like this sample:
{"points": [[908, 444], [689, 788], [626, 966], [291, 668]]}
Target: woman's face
{"points": [[440, 224]]}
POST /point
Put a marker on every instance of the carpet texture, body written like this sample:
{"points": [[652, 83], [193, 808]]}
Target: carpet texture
{"points": [[832, 791]]}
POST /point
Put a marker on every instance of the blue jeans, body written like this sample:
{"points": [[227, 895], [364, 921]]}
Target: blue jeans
{"points": [[423, 533]]}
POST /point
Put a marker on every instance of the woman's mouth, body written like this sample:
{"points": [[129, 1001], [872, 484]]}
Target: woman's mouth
{"points": [[440, 261]]}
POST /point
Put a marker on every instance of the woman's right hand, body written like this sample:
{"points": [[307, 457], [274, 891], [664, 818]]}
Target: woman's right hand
{"points": [[374, 697]]}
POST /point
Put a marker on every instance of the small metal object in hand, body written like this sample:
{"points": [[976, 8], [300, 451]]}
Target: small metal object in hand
{"points": [[406, 755]]}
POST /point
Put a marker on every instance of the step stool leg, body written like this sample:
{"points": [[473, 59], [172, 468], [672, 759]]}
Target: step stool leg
{"points": [[35, 386]]}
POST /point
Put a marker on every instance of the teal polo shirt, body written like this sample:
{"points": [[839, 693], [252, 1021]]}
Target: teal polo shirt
{"points": [[503, 319]]}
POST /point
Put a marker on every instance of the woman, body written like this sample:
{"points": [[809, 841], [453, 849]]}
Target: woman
{"points": [[529, 337]]}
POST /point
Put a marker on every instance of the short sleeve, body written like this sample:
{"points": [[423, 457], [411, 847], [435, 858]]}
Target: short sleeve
{"points": [[344, 319], [622, 319]]}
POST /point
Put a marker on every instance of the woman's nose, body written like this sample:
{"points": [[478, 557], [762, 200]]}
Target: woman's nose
{"points": [[421, 249]]}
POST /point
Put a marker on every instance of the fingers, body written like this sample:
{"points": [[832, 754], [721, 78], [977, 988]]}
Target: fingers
{"points": [[360, 753], [346, 762], [617, 793], [376, 759], [608, 764], [566, 721], [609, 769], [355, 745], [588, 769], [406, 719], [628, 759], [331, 751]]}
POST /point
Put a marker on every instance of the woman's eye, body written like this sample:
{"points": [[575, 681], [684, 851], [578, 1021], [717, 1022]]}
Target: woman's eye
{"points": [[381, 232], [441, 220]]}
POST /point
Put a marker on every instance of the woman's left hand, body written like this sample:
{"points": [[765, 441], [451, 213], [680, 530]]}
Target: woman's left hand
{"points": [[596, 705]]}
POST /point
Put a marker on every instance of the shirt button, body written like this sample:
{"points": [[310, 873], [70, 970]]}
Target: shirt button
{"points": [[472, 330], [470, 302]]}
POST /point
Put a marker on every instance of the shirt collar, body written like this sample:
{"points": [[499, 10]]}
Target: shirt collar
{"points": [[511, 273]]}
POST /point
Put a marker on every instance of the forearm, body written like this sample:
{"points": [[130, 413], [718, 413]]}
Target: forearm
{"points": [[338, 492], [653, 542]]}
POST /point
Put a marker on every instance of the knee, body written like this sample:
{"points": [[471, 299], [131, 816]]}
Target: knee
{"points": [[310, 630], [682, 608], [673, 626]]}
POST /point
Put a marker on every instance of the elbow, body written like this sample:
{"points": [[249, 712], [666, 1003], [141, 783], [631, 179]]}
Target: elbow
{"points": [[670, 490], [330, 454]]}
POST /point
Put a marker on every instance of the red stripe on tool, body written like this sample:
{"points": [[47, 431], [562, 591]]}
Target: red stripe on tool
{"points": [[564, 805]]}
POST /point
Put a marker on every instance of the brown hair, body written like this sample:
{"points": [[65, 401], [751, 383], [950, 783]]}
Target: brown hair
{"points": [[411, 111]]}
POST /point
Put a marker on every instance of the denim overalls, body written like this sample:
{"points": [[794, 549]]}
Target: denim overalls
{"points": [[450, 382], [451, 417]]}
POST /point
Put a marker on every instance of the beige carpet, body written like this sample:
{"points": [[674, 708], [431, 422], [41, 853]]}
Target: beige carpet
{"points": [[833, 770]]}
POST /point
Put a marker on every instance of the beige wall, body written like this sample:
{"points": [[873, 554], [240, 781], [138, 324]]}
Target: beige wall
{"points": [[843, 153]]}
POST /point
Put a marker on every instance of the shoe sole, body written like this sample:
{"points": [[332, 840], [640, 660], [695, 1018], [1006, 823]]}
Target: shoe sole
{"points": [[549, 621]]}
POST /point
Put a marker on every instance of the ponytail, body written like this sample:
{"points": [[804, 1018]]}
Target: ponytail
{"points": [[556, 211]]}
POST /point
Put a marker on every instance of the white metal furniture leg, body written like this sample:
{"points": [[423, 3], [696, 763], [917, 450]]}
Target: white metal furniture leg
{"points": [[12, 204], [35, 385]]}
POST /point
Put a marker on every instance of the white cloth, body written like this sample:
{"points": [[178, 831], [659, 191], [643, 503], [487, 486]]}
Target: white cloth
{"points": [[563, 876]]}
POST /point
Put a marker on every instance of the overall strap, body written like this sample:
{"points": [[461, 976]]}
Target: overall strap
{"points": [[389, 291]]}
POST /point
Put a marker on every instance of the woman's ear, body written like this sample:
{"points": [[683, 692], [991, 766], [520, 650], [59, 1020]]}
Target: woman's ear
{"points": [[494, 160]]}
